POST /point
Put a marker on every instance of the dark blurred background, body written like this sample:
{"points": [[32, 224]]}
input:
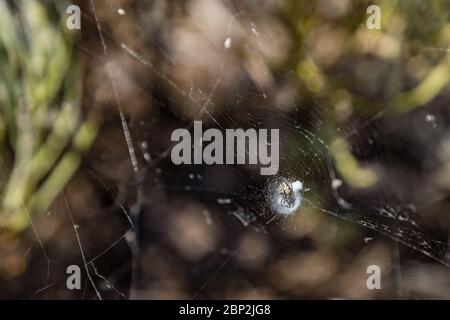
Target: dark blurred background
{"points": [[364, 123]]}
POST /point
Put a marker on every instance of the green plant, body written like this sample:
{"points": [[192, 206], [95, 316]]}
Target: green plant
{"points": [[42, 131]]}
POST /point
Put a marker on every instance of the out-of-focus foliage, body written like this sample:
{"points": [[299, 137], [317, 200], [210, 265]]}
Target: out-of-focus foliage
{"points": [[355, 70], [42, 133]]}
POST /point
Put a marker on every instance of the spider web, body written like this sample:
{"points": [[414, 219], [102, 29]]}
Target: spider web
{"points": [[235, 195]]}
